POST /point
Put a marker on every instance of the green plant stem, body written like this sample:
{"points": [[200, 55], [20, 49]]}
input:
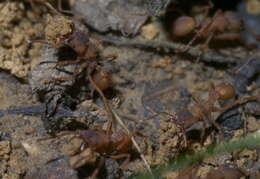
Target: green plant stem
{"points": [[185, 161]]}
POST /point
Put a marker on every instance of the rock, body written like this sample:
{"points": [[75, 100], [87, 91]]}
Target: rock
{"points": [[32, 148], [117, 15], [150, 31], [57, 169], [253, 124]]}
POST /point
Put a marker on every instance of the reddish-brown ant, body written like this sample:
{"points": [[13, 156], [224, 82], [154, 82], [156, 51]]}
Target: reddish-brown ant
{"points": [[105, 143], [184, 119], [61, 31], [222, 26]]}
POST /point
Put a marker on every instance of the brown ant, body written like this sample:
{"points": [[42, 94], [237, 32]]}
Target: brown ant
{"points": [[199, 111], [222, 26], [61, 31], [105, 143]]}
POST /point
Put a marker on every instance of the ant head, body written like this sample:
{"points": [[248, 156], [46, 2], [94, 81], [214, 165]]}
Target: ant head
{"points": [[225, 91], [183, 26], [102, 79]]}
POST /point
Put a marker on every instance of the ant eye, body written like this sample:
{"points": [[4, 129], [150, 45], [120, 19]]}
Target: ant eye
{"points": [[225, 91]]}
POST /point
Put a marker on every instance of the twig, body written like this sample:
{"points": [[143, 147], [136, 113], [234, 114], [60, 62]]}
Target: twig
{"points": [[133, 140], [113, 115], [172, 47]]}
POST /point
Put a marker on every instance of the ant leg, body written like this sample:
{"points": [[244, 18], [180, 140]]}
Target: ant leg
{"points": [[61, 134], [198, 34], [197, 101], [107, 107], [244, 118], [211, 92], [40, 41], [206, 9], [111, 57], [61, 9], [67, 62], [215, 124], [237, 103], [202, 135], [120, 156], [47, 103], [60, 79], [48, 5], [78, 71], [183, 132], [109, 128], [125, 163], [99, 166], [205, 47], [34, 8], [74, 76]]}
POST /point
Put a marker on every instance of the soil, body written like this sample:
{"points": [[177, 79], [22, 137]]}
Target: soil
{"points": [[145, 82]]}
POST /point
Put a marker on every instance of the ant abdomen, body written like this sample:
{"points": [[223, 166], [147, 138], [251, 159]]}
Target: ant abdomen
{"points": [[102, 79], [183, 26], [225, 91]]}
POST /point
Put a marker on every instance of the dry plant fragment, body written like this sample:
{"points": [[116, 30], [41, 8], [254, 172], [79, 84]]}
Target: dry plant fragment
{"points": [[56, 28]]}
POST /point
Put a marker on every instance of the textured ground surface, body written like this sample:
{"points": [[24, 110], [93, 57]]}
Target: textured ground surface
{"points": [[137, 73]]}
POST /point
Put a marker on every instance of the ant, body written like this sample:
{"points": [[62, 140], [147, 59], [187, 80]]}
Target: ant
{"points": [[184, 119], [61, 31], [105, 143], [222, 26]]}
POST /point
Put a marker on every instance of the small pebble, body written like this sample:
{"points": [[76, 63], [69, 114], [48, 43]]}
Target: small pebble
{"points": [[150, 31], [5, 148]]}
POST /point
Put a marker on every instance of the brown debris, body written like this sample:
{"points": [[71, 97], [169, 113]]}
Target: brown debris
{"points": [[57, 26], [17, 26]]}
